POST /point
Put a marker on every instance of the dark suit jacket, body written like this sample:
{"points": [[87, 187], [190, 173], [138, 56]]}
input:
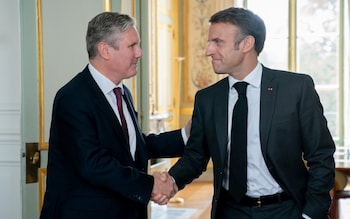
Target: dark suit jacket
{"points": [[291, 124], [90, 172]]}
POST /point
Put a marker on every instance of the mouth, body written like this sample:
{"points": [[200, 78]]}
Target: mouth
{"points": [[215, 60]]}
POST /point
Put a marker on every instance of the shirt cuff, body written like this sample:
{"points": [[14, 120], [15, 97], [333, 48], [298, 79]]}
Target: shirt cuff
{"points": [[305, 216], [184, 136]]}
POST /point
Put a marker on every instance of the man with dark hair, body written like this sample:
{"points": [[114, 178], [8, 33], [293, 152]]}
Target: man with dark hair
{"points": [[258, 125]]}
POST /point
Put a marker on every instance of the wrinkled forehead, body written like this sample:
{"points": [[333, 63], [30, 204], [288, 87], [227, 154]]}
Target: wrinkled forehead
{"points": [[217, 30], [130, 36]]}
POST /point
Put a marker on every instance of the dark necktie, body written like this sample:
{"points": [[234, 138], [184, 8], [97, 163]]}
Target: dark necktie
{"points": [[118, 94], [238, 156]]}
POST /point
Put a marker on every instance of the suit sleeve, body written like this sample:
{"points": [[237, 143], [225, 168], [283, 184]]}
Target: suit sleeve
{"points": [[165, 145], [318, 152], [196, 156]]}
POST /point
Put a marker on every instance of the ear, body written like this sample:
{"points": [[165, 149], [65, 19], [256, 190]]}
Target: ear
{"points": [[248, 43], [103, 49]]}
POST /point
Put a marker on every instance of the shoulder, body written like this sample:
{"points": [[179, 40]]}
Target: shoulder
{"points": [[221, 85], [82, 84], [283, 76], [284, 73], [81, 79]]}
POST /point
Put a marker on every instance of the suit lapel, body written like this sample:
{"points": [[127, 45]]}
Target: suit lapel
{"points": [[269, 88], [140, 153], [221, 116], [131, 109], [104, 108]]}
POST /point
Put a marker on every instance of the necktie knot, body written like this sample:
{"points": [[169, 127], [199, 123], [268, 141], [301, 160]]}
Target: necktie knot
{"points": [[241, 87], [118, 92]]}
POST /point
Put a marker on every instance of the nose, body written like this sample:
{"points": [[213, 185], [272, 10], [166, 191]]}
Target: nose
{"points": [[139, 52], [209, 50]]}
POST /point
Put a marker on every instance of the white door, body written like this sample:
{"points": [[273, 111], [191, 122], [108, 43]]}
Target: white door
{"points": [[10, 110], [53, 51]]}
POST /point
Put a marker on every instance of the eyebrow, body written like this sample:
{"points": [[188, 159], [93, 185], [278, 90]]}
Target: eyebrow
{"points": [[217, 39]]}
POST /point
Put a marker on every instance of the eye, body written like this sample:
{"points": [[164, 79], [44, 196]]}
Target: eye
{"points": [[217, 41]]}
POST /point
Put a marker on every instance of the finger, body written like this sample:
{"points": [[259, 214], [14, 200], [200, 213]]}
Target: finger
{"points": [[163, 200], [156, 197], [164, 176], [160, 199]]}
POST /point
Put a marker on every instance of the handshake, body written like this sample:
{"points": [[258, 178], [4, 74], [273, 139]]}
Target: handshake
{"points": [[164, 188]]}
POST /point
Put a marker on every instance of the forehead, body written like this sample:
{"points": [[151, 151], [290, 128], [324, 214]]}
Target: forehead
{"points": [[222, 30], [131, 35]]}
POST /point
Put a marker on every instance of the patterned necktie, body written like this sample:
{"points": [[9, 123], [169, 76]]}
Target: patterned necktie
{"points": [[118, 94], [238, 155]]}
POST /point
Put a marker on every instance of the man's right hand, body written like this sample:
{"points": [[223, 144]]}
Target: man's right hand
{"points": [[164, 188]]}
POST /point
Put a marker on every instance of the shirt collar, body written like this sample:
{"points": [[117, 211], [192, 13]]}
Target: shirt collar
{"points": [[102, 81], [253, 78]]}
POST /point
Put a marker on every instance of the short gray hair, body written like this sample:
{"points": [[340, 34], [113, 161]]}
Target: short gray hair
{"points": [[106, 27]]}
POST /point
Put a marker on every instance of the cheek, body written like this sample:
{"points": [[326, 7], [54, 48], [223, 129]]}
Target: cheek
{"points": [[231, 56]]}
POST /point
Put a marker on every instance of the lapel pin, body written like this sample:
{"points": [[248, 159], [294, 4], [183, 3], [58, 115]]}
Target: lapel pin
{"points": [[269, 88]]}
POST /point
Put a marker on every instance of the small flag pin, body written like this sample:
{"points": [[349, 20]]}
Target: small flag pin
{"points": [[269, 88]]}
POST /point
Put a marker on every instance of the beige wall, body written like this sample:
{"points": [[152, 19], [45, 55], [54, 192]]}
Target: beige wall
{"points": [[64, 25]]}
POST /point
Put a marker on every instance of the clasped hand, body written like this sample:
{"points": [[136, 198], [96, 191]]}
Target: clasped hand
{"points": [[164, 188]]}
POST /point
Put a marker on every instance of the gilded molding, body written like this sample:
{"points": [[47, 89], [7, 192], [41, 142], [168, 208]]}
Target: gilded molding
{"points": [[107, 5], [39, 38], [43, 145]]}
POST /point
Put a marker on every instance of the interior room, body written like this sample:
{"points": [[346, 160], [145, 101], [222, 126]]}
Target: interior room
{"points": [[42, 46]]}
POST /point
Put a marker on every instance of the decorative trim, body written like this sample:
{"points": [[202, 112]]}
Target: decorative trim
{"points": [[39, 34], [186, 111], [10, 107], [107, 5], [10, 163], [43, 145], [42, 185], [198, 72], [10, 153], [9, 136], [10, 126]]}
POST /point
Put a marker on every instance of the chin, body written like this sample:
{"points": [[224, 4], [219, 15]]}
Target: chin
{"points": [[130, 75], [220, 73]]}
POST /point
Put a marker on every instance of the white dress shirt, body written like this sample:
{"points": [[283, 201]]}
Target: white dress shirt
{"points": [[259, 180], [107, 87]]}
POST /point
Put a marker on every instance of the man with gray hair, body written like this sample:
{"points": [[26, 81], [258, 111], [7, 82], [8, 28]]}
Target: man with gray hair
{"points": [[98, 156]]}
